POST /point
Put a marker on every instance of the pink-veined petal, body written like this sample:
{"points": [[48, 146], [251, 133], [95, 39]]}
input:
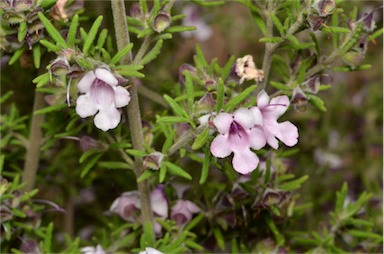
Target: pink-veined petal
{"points": [[220, 147], [106, 76], [85, 106], [288, 133], [257, 138], [107, 118], [103, 94], [277, 107], [245, 161], [86, 81], [244, 117], [257, 116], [222, 122], [262, 99], [122, 97]]}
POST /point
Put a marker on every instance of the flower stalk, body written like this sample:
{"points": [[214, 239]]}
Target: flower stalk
{"points": [[134, 116]]}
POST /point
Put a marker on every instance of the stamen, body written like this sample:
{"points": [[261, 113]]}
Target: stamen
{"points": [[284, 105], [68, 90]]}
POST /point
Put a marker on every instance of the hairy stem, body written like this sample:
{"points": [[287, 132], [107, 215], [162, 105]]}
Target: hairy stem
{"points": [[33, 149], [135, 125]]}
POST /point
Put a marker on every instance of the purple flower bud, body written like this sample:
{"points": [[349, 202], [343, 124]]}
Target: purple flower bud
{"points": [[312, 84], [369, 23], [153, 160], [162, 21], [59, 66], [182, 212], [206, 104], [186, 67], [29, 246], [87, 143], [324, 8], [135, 11], [299, 99]]}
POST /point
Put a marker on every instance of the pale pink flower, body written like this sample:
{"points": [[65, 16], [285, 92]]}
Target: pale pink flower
{"points": [[126, 205], [102, 96], [183, 210], [271, 110], [203, 32], [92, 250], [239, 132]]}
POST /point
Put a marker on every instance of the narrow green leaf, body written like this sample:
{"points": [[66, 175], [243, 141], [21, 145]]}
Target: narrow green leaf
{"points": [[22, 31], [200, 59], [55, 35], [113, 165], [314, 38], [83, 34], [219, 238], [50, 109], [48, 238], [172, 119], [36, 55], [293, 39], [175, 107], [148, 234], [201, 139], [317, 102], [279, 238], [227, 68], [190, 90], [145, 32], [163, 173], [334, 29], [84, 63], [106, 55], [340, 198], [179, 29], [376, 34], [163, 36], [271, 39], [92, 35], [153, 53], [102, 38], [88, 153], [145, 175], [42, 79], [295, 184], [90, 164], [6, 96], [205, 168], [278, 24], [136, 153], [119, 55], [279, 86], [364, 234], [71, 37], [193, 223], [50, 46], [220, 95], [16, 55], [129, 67], [239, 98], [193, 245], [176, 170], [130, 73], [47, 4]]}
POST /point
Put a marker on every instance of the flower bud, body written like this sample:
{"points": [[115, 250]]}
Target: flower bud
{"points": [[324, 8], [205, 105], [186, 67], [16, 199], [162, 21], [59, 66], [5, 213], [29, 246], [182, 211], [312, 84], [135, 11], [22, 5], [299, 99], [153, 160], [369, 23], [126, 205], [273, 197], [87, 143]]}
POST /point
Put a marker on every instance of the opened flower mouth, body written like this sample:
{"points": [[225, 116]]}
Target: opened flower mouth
{"points": [[102, 96]]}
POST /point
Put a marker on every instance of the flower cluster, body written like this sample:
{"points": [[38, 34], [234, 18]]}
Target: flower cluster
{"points": [[253, 127]]}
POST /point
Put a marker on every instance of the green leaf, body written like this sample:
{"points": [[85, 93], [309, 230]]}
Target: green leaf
{"points": [[176, 170], [130, 73], [107, 56], [90, 164], [193, 223], [92, 35], [136, 153], [376, 34], [295, 184], [200, 59], [153, 53], [314, 38], [71, 37], [205, 168], [279, 86], [193, 245], [350, 68], [18, 53], [22, 32], [102, 38], [219, 238], [201, 139], [55, 35], [220, 95], [36, 55], [239, 98], [227, 68], [119, 55], [278, 24], [179, 29], [6, 96], [317, 102], [84, 63], [175, 107], [42, 79], [271, 39], [340, 198], [48, 238], [364, 234], [113, 165], [190, 90], [279, 238], [145, 175], [88, 153], [47, 4], [145, 32], [172, 119], [50, 46], [163, 173], [50, 109], [334, 29]]}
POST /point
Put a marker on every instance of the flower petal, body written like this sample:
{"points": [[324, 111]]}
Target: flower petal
{"points": [[85, 83], [107, 118], [220, 146], [106, 76], [222, 122], [244, 117], [271, 139], [192, 207], [159, 202], [257, 138], [245, 161], [103, 94], [85, 106], [122, 97], [288, 133], [257, 116], [262, 99], [277, 106]]}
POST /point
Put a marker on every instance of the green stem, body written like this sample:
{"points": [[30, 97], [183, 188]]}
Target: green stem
{"points": [[134, 116], [35, 139]]}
